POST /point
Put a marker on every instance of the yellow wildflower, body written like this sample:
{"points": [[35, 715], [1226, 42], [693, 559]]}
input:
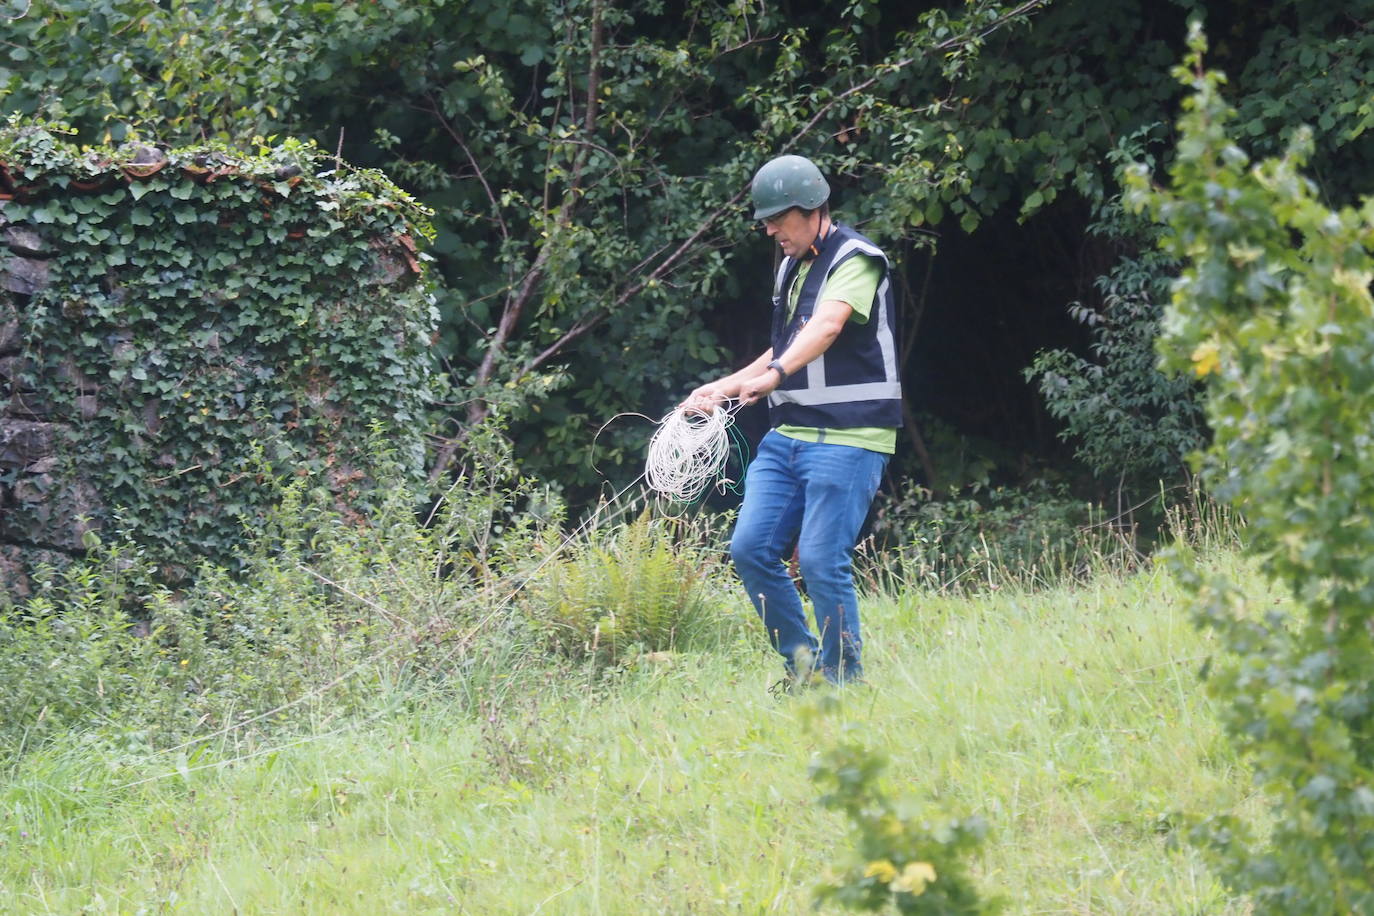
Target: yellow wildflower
{"points": [[1356, 283], [1206, 358], [883, 870], [914, 878]]}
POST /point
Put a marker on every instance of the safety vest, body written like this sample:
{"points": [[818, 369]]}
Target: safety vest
{"points": [[855, 382]]}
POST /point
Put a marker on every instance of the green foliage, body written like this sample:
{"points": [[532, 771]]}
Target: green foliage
{"points": [[587, 178], [215, 319], [1273, 310], [906, 857], [120, 69], [1131, 421], [643, 585], [63, 671], [586, 161], [992, 536], [1331, 47]]}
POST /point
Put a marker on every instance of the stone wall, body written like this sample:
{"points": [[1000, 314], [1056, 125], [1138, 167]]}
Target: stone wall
{"points": [[184, 332], [32, 434]]}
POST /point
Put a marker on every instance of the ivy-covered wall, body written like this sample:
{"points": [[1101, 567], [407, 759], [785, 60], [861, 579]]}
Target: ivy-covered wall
{"points": [[181, 329]]}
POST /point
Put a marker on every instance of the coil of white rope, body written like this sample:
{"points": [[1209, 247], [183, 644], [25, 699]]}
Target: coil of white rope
{"points": [[688, 451]]}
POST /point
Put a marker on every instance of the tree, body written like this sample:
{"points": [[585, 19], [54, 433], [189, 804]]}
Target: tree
{"points": [[587, 159]]}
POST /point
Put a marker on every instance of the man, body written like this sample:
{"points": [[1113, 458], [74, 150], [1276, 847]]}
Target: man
{"points": [[834, 398]]}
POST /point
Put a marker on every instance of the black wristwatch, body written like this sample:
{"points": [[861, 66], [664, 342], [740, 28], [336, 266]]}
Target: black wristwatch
{"points": [[782, 373]]}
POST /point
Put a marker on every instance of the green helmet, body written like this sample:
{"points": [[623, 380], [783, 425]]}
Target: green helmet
{"points": [[788, 181]]}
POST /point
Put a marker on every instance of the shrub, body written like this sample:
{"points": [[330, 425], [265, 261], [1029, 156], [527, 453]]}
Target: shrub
{"points": [[1132, 422], [73, 656], [984, 536], [1273, 311], [905, 855], [320, 618]]}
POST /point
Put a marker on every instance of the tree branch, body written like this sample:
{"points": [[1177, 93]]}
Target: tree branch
{"points": [[1024, 9], [516, 304], [481, 176], [633, 289]]}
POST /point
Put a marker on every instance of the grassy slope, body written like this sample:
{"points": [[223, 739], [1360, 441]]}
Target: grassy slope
{"points": [[1071, 719]]}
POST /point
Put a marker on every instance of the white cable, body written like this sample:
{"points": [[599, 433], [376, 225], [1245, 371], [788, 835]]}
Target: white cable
{"points": [[688, 450]]}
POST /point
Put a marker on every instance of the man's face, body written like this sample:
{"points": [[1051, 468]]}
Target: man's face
{"points": [[793, 230]]}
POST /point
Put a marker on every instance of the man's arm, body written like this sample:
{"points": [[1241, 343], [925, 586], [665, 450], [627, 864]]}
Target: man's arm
{"points": [[709, 395], [826, 323]]}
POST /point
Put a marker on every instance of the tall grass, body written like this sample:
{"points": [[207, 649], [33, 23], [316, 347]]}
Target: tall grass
{"points": [[318, 620], [368, 720], [1030, 539], [1069, 718], [994, 538]]}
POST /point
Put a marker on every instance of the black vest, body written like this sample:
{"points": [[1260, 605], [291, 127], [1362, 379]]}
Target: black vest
{"points": [[856, 381]]}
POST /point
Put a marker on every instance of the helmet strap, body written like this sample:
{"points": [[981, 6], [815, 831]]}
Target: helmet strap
{"points": [[813, 250]]}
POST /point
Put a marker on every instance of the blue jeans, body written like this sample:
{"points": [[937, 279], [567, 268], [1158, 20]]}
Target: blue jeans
{"points": [[817, 494]]}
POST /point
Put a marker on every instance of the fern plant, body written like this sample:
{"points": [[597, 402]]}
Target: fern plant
{"points": [[646, 584]]}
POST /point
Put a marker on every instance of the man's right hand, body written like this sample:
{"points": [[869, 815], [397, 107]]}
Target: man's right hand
{"points": [[704, 399]]}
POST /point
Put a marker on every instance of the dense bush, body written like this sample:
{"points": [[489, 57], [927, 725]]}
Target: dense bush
{"points": [[1132, 423], [322, 618], [1273, 310]]}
